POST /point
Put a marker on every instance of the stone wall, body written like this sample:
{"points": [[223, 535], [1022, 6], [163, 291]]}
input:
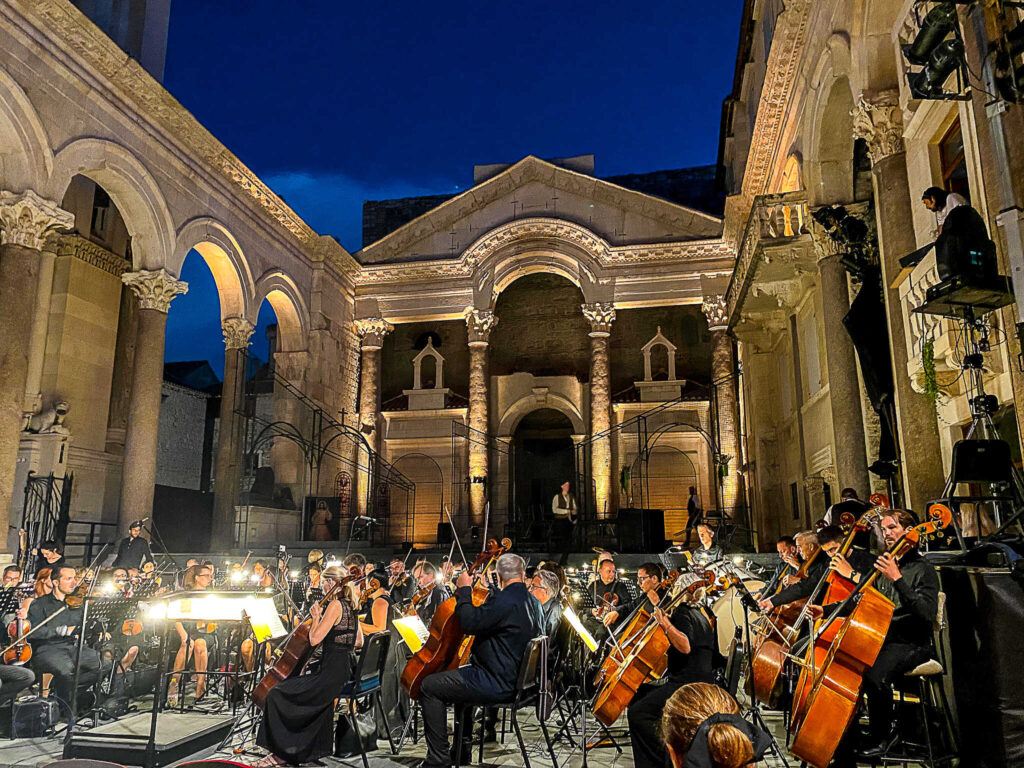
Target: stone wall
{"points": [[181, 437]]}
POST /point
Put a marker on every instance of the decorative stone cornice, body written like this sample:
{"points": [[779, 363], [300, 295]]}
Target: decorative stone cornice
{"points": [[716, 311], [878, 120], [26, 218], [154, 289], [91, 253], [237, 332], [479, 324], [601, 317], [74, 33], [372, 331]]}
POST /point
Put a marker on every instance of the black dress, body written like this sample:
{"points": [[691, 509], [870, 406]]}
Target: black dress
{"points": [[298, 718]]}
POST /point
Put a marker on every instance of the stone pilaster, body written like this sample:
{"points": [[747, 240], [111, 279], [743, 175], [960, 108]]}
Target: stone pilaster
{"points": [[723, 376], [371, 332], [237, 335], [154, 290], [40, 325], [479, 323], [879, 121], [601, 317], [25, 220], [851, 466]]}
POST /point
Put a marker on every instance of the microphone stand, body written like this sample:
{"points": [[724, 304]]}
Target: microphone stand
{"points": [[151, 529]]}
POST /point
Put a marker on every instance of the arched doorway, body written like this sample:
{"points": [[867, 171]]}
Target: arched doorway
{"points": [[543, 460]]}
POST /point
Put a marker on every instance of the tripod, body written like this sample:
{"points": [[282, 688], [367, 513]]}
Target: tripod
{"points": [[982, 426]]}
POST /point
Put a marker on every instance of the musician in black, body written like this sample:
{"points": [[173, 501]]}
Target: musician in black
{"points": [[789, 562], [54, 647], [795, 588], [133, 550], [691, 647], [612, 600], [913, 585], [544, 586], [708, 552], [9, 597], [503, 627], [401, 586], [426, 578], [50, 556]]}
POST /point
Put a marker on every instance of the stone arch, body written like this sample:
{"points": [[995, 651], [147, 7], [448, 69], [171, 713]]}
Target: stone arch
{"points": [[24, 147], [873, 52], [132, 188], [286, 299], [527, 246], [527, 404], [223, 255], [829, 167]]}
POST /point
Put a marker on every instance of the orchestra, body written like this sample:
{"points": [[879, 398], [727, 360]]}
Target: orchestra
{"points": [[657, 672]]}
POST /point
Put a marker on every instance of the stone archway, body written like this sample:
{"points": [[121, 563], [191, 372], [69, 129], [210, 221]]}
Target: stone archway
{"points": [[225, 259], [543, 459], [27, 158]]}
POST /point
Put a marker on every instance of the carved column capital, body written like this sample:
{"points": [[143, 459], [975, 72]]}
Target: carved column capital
{"points": [[479, 324], [601, 317], [824, 244], [878, 120], [26, 219], [155, 289], [372, 331], [716, 311], [237, 332]]}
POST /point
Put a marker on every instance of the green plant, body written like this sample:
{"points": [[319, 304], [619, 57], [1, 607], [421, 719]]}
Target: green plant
{"points": [[931, 386]]}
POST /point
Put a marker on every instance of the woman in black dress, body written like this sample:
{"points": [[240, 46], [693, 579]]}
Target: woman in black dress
{"points": [[380, 617], [298, 718]]}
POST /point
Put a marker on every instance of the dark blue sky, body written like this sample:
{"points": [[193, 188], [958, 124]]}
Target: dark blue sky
{"points": [[332, 103]]}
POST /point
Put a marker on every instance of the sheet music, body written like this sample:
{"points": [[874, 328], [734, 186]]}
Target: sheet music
{"points": [[413, 631]]}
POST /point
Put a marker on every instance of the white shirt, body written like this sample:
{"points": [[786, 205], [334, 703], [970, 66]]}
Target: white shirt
{"points": [[561, 505], [953, 200]]}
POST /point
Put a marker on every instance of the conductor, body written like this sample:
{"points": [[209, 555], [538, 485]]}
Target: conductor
{"points": [[133, 550]]}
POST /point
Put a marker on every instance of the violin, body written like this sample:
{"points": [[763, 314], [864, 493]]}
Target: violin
{"points": [[421, 594], [20, 651], [609, 601], [447, 643]]}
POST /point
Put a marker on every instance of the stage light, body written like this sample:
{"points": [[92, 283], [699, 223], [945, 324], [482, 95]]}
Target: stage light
{"points": [[237, 576], [927, 84], [936, 53], [109, 588], [940, 21], [294, 574]]}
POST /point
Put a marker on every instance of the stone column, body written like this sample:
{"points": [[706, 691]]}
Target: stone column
{"points": [[479, 323], [851, 463], [879, 120], [601, 317], [40, 325], [371, 331], [237, 335], [723, 376], [155, 290], [25, 220]]}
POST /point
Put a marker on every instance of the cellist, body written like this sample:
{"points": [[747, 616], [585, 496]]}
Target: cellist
{"points": [[691, 647], [814, 566], [912, 584]]}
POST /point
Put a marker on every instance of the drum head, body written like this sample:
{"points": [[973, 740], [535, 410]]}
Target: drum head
{"points": [[728, 611]]}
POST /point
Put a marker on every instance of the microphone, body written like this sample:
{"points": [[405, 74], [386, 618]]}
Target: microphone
{"points": [[367, 518]]}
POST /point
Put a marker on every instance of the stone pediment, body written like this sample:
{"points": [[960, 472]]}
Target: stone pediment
{"points": [[535, 188]]}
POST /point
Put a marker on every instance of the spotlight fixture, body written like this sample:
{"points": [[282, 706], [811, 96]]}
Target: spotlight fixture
{"points": [[1009, 72], [938, 55]]}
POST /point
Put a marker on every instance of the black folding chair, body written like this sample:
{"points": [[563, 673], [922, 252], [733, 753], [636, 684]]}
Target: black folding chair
{"points": [[365, 685]]}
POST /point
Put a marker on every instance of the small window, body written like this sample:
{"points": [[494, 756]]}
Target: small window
{"points": [[952, 162], [100, 213], [794, 494]]}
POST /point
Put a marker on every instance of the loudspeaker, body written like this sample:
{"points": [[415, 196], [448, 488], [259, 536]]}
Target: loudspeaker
{"points": [[641, 530], [982, 461], [985, 607], [33, 717]]}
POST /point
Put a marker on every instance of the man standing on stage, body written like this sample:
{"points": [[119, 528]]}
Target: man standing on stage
{"points": [[54, 648], [133, 550], [563, 507], [503, 628]]}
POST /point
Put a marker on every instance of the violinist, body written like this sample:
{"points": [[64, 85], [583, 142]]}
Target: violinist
{"points": [[49, 556], [912, 584], [121, 644], [195, 638], [379, 617], [544, 586], [691, 647], [503, 628], [430, 593], [808, 543], [314, 592], [133, 550], [611, 599], [400, 583], [9, 599], [54, 649], [789, 563], [708, 552]]}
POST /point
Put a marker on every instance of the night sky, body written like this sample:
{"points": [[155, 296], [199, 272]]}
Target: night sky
{"points": [[333, 103]]}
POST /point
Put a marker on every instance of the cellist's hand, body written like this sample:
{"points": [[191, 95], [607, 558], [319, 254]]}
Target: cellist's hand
{"points": [[765, 605], [788, 581], [841, 565], [316, 612], [464, 580], [887, 566], [815, 612]]}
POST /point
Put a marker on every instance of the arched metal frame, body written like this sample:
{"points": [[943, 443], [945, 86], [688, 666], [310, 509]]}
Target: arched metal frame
{"points": [[410, 518]]}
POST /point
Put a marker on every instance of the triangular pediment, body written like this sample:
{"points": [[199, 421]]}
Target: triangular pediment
{"points": [[536, 188]]}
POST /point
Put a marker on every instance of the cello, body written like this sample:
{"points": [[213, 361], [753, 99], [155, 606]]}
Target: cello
{"points": [[829, 685], [447, 644], [297, 649]]}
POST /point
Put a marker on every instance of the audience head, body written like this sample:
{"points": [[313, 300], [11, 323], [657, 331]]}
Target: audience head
{"points": [[727, 741], [934, 198]]}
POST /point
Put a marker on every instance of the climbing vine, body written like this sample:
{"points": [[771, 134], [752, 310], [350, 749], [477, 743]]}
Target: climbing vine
{"points": [[931, 386]]}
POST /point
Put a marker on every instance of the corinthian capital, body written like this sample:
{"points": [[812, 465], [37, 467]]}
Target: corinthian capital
{"points": [[716, 311], [879, 121], [601, 317], [237, 332], [372, 331], [479, 324], [154, 289], [27, 218]]}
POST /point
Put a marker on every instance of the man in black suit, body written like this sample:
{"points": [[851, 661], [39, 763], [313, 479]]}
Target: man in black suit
{"points": [[503, 628], [133, 550]]}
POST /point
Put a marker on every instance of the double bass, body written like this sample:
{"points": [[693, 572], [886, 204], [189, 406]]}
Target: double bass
{"points": [[447, 643], [829, 685], [297, 649]]}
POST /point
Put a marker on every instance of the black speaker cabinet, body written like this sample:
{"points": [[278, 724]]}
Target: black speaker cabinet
{"points": [[981, 461], [641, 530], [985, 608]]}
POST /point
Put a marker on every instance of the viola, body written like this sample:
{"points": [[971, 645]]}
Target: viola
{"points": [[829, 685], [20, 652], [447, 643]]}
